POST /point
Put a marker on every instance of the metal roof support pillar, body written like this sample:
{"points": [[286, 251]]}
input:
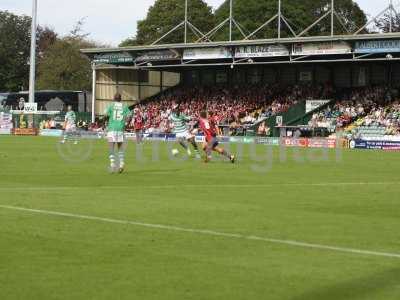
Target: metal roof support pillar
{"points": [[168, 33], [93, 91], [391, 16], [315, 23], [279, 18], [209, 34], [371, 21], [230, 19], [32, 66], [332, 17], [186, 21], [261, 27]]}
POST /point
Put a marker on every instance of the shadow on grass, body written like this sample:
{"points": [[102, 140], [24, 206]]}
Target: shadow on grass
{"points": [[361, 288]]}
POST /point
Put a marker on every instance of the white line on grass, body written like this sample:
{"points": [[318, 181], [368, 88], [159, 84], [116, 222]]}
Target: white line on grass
{"points": [[193, 186], [205, 232]]}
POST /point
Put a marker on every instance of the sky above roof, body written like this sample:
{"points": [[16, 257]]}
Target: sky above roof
{"points": [[109, 22]]}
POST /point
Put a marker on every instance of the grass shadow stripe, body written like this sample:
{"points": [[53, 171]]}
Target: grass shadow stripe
{"points": [[207, 232]]}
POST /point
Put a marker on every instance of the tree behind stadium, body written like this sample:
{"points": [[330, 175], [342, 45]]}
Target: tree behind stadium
{"points": [[15, 35], [300, 14], [166, 14], [383, 23], [14, 51], [63, 66]]}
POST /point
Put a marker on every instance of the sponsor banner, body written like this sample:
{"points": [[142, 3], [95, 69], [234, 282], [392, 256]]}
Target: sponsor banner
{"points": [[309, 143], [130, 135], [113, 58], [322, 143], [199, 138], [377, 145], [267, 141], [322, 48], [153, 136], [314, 104], [394, 138], [159, 55], [25, 131], [6, 121], [92, 135], [38, 112], [261, 51], [51, 132], [382, 46], [291, 142], [4, 131], [30, 108], [207, 53]]}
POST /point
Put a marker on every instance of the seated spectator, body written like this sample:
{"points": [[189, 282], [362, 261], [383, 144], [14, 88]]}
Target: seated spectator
{"points": [[235, 107]]}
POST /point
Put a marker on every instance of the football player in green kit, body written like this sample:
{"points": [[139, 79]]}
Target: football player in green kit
{"points": [[117, 115], [70, 130]]}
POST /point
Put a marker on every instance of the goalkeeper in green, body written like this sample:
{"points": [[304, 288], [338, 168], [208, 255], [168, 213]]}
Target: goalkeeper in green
{"points": [[117, 115]]}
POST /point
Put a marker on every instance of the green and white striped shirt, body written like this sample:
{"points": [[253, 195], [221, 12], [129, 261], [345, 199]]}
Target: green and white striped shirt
{"points": [[70, 118], [179, 122]]}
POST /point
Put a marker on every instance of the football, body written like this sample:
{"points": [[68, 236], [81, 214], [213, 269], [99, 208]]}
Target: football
{"points": [[175, 152]]}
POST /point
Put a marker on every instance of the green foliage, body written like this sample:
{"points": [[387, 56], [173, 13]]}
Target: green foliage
{"points": [[300, 14], [46, 37], [15, 40], [60, 64], [250, 14], [14, 51], [63, 66], [166, 14], [132, 41]]}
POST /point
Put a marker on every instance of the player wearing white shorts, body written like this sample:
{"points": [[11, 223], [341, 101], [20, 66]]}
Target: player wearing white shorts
{"points": [[70, 131], [117, 115], [180, 128]]}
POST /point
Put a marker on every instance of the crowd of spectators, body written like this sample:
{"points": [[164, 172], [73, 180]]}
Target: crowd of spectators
{"points": [[387, 117], [233, 107], [352, 105]]}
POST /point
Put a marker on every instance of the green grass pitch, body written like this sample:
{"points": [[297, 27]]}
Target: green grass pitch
{"points": [[216, 242]]}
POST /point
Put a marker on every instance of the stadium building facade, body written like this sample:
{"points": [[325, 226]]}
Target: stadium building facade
{"points": [[345, 61], [353, 60]]}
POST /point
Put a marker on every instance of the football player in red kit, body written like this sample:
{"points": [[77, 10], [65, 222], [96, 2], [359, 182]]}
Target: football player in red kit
{"points": [[210, 132]]}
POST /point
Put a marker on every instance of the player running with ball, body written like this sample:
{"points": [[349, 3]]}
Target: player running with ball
{"points": [[117, 115], [211, 144], [180, 128]]}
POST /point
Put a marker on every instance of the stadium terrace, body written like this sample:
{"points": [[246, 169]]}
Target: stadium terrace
{"points": [[162, 72]]}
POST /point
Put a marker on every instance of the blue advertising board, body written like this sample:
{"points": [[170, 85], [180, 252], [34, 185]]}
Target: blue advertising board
{"points": [[377, 145], [382, 46]]}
